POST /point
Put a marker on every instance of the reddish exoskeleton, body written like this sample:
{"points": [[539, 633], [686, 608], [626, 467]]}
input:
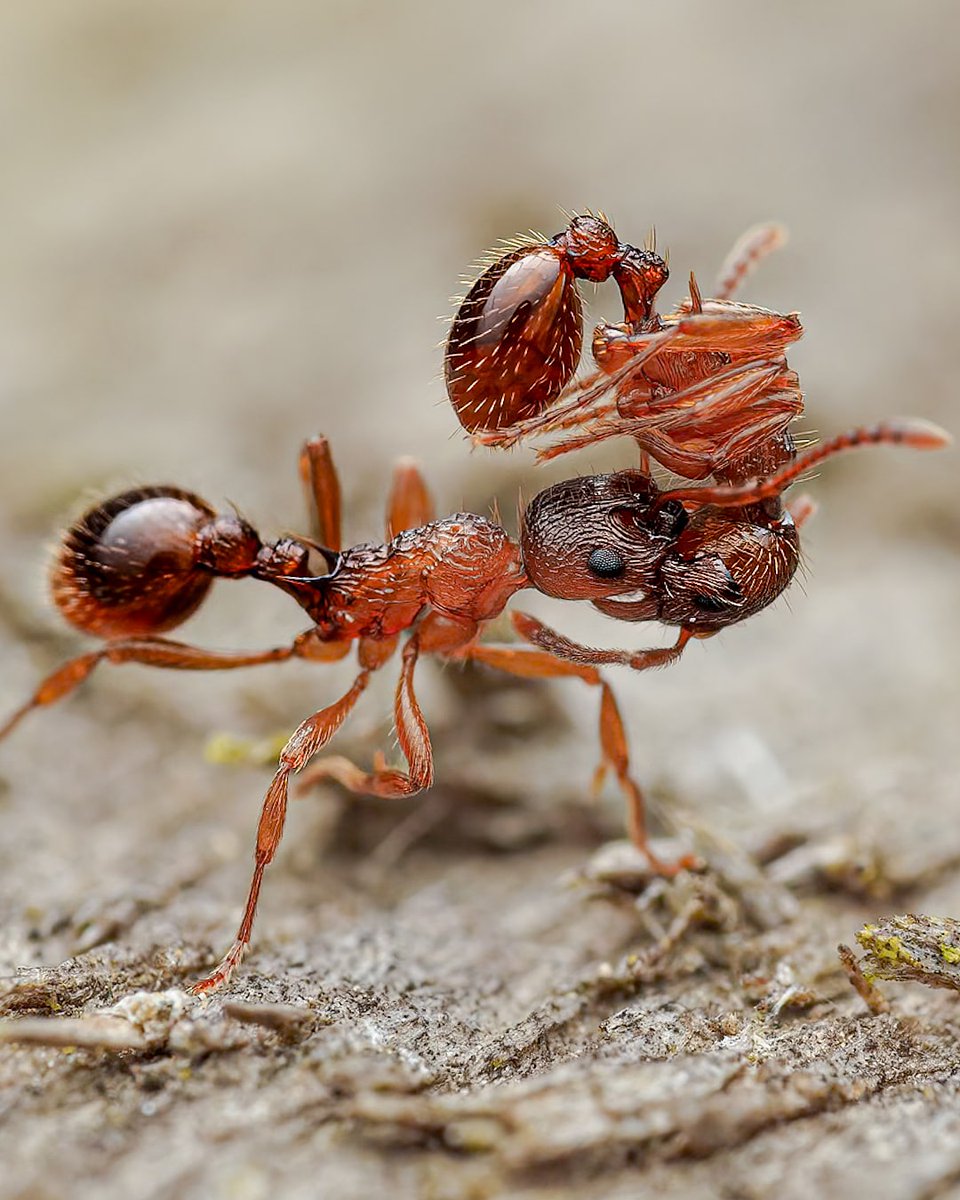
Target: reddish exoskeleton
{"points": [[705, 391], [139, 564]]}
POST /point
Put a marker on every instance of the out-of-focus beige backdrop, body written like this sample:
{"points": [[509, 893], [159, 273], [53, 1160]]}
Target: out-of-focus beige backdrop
{"points": [[224, 227]]}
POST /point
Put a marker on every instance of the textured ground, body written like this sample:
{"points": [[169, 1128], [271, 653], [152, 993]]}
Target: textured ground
{"points": [[225, 228]]}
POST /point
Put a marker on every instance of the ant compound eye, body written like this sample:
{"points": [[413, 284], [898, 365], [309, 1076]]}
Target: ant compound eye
{"points": [[607, 563], [515, 342], [130, 567]]}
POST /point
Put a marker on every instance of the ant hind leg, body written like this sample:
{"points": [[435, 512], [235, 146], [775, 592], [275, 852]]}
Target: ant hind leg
{"points": [[160, 652]]}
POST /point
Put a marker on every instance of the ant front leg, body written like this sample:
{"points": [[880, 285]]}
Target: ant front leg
{"points": [[544, 664], [534, 631]]}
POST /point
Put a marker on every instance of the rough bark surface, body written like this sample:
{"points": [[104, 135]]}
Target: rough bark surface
{"points": [[225, 229]]}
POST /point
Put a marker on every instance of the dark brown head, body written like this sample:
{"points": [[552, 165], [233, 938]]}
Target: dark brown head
{"points": [[597, 536]]}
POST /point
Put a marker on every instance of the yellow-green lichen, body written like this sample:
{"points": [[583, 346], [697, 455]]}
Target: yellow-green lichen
{"points": [[888, 948]]}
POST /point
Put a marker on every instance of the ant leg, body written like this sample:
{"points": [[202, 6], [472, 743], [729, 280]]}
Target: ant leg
{"points": [[436, 634], [306, 740], [696, 457], [414, 739], [747, 252], [535, 632], [916, 433], [802, 508], [160, 652], [690, 429], [322, 488], [581, 395], [410, 504], [542, 664]]}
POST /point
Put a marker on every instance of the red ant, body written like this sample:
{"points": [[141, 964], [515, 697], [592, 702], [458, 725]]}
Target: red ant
{"points": [[139, 564], [704, 391]]}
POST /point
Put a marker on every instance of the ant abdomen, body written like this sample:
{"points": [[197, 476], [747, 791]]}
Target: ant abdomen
{"points": [[515, 343], [131, 565]]}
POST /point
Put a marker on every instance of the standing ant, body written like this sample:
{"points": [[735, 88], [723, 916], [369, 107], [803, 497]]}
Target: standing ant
{"points": [[139, 564], [705, 390]]}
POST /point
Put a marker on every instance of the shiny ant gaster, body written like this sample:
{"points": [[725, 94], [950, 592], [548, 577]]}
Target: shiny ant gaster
{"points": [[139, 564]]}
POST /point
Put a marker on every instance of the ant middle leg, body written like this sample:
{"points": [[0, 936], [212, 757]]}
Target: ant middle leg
{"points": [[436, 634], [692, 430], [412, 735], [615, 756]]}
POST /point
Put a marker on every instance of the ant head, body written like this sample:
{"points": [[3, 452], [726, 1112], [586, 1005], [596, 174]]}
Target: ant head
{"points": [[597, 536], [640, 275]]}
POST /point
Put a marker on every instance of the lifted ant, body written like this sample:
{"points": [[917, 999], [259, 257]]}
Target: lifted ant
{"points": [[138, 565], [705, 390]]}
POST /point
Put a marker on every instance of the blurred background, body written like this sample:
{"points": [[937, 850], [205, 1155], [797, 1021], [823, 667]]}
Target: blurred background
{"points": [[228, 226]]}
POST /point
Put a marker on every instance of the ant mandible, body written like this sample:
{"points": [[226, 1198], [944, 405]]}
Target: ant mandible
{"points": [[138, 565]]}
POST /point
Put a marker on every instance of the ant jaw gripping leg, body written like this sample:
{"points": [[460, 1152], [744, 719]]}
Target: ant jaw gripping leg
{"points": [[543, 663]]}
